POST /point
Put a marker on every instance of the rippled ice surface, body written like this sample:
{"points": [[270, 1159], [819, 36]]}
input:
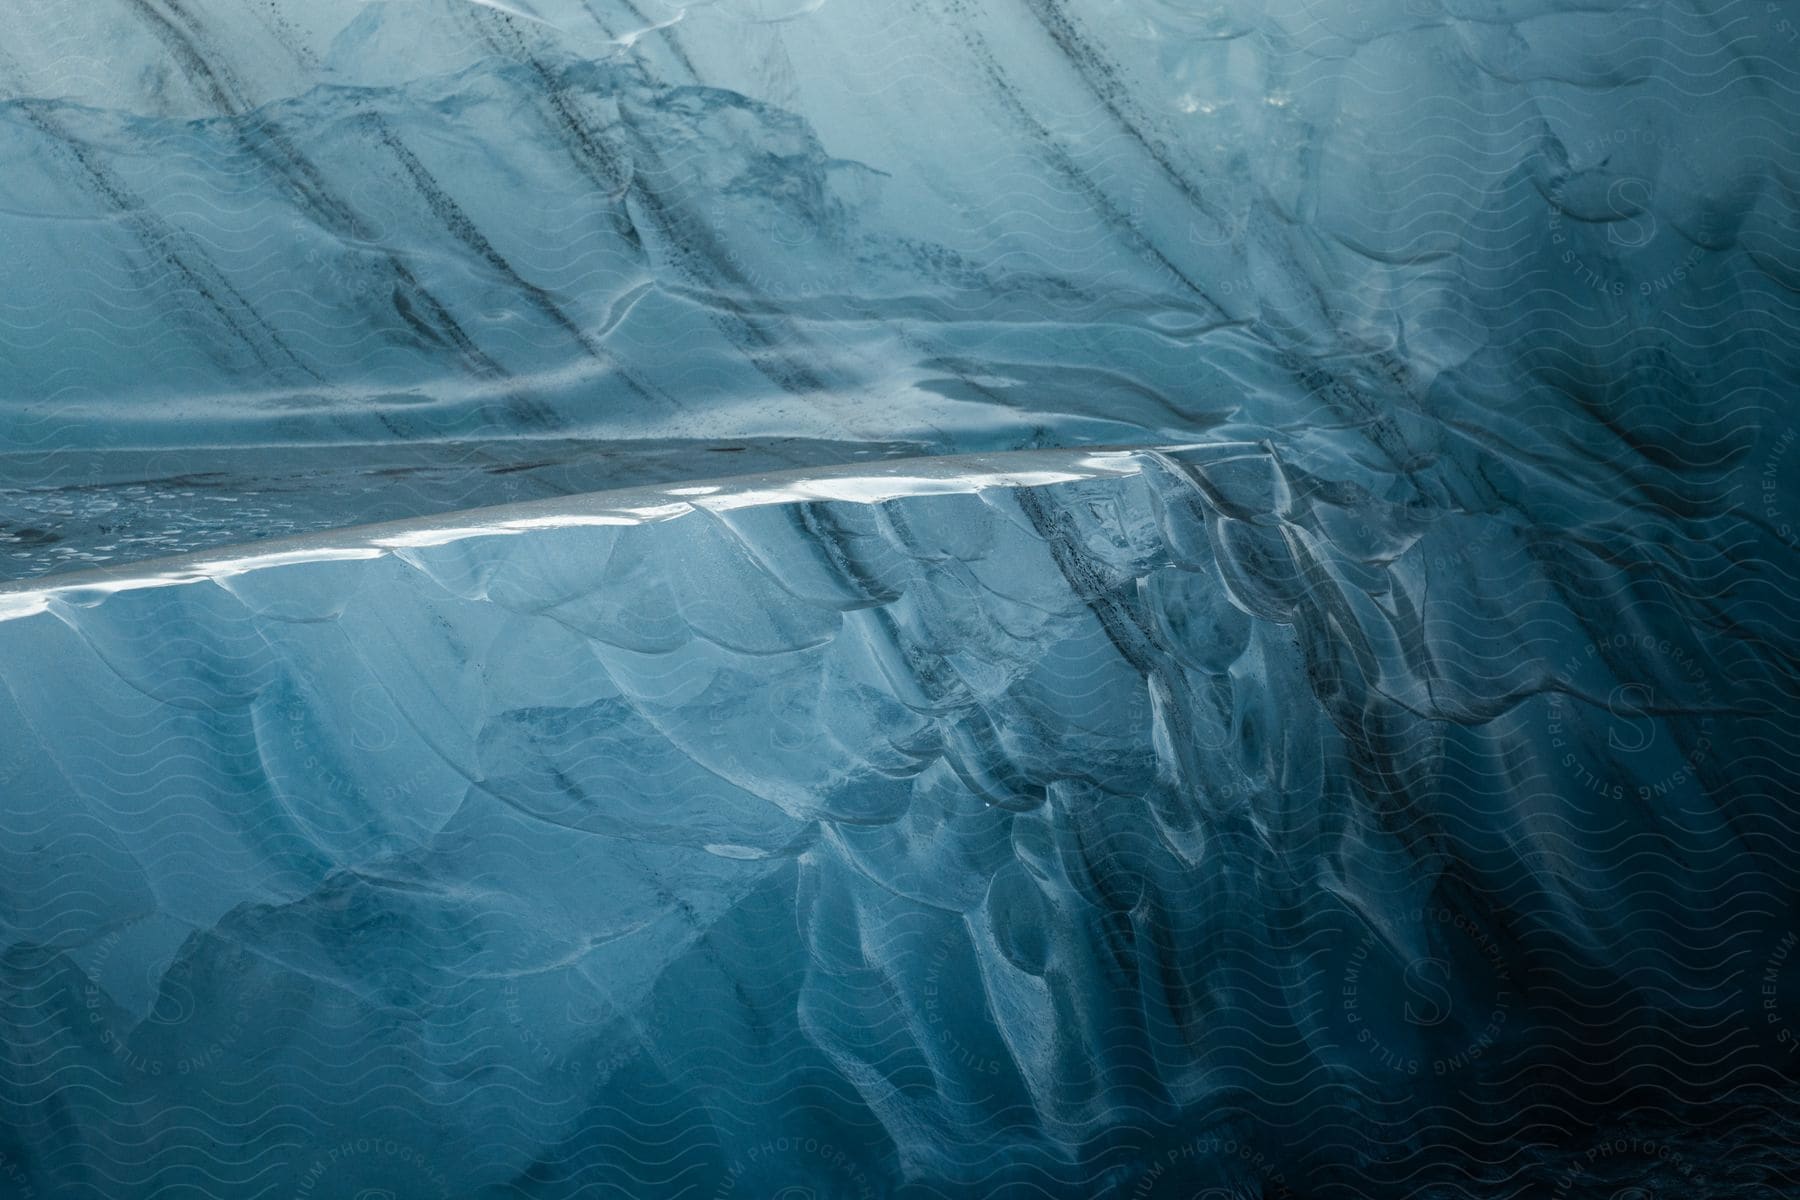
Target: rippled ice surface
{"points": [[821, 598]]}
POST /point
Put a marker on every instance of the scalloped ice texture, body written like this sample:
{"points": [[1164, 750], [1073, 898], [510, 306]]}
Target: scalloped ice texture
{"points": [[1065, 823], [1375, 779]]}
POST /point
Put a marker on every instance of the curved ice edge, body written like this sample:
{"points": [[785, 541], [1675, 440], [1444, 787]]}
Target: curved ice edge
{"points": [[861, 483]]}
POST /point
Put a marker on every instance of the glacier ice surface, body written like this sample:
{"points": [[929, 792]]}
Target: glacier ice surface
{"points": [[815, 598], [1054, 821]]}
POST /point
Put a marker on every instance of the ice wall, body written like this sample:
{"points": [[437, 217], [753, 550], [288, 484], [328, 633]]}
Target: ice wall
{"points": [[1055, 823], [1371, 776]]}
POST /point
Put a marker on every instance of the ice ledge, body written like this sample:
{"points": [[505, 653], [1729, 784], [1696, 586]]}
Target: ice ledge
{"points": [[855, 484]]}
